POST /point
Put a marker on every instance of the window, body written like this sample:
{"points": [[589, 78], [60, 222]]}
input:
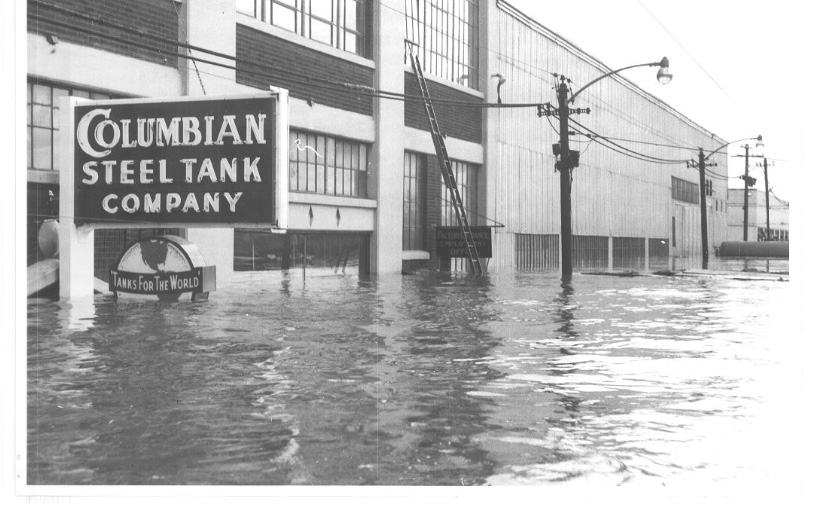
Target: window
{"points": [[537, 252], [338, 23], [466, 176], [413, 175], [685, 191], [43, 121], [446, 34], [327, 165]]}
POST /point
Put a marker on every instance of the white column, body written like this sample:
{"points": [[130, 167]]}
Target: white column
{"points": [[387, 184], [210, 24], [610, 252], [76, 244], [490, 125]]}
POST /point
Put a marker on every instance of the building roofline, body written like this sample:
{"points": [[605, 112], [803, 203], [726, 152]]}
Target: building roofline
{"points": [[576, 50]]}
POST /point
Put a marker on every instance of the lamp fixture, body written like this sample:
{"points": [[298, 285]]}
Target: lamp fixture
{"points": [[664, 76]]}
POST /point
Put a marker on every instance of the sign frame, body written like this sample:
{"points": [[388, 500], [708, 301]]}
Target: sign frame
{"points": [[277, 128]]}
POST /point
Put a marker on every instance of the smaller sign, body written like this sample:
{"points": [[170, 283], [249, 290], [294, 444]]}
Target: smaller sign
{"points": [[451, 241], [165, 266]]}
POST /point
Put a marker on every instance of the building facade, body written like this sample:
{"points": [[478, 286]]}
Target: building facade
{"points": [[756, 226], [365, 190]]}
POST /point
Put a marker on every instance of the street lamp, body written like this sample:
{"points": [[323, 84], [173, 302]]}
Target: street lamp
{"points": [[702, 164], [568, 160]]}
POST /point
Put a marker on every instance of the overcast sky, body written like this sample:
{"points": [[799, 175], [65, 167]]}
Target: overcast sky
{"points": [[737, 65]]}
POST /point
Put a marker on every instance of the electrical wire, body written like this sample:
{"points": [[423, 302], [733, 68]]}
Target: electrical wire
{"points": [[624, 150]]}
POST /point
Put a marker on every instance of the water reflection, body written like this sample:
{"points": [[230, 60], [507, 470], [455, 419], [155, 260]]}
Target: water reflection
{"points": [[430, 379], [564, 310]]}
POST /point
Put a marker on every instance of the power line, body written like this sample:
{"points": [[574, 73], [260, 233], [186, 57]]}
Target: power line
{"points": [[622, 149], [685, 50]]}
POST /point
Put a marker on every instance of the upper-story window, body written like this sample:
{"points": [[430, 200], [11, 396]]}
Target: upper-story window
{"points": [[43, 121], [338, 23], [327, 165], [447, 37], [685, 191]]}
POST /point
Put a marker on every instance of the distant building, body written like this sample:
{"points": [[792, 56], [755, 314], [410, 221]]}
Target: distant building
{"points": [[369, 194], [756, 231]]}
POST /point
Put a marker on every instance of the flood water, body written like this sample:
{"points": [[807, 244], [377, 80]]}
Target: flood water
{"points": [[427, 379]]}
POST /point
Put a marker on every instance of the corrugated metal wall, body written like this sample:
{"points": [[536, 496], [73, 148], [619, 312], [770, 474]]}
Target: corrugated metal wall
{"points": [[613, 195]]}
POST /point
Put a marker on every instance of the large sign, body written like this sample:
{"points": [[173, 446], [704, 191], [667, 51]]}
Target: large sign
{"points": [[164, 266], [451, 242], [205, 161]]}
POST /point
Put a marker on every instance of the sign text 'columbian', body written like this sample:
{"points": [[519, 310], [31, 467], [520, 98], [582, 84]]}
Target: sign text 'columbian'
{"points": [[208, 161]]}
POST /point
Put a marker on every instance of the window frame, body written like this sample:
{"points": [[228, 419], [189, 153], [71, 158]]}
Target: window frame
{"points": [[448, 39], [321, 164], [414, 204], [340, 27]]}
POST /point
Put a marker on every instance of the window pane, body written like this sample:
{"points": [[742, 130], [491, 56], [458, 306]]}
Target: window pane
{"points": [[322, 9], [351, 42], [28, 150], [283, 17], [41, 115], [352, 10], [41, 148], [347, 182], [330, 181], [81, 94], [245, 7], [42, 94], [321, 179], [293, 176], [330, 152], [322, 32], [310, 178]]}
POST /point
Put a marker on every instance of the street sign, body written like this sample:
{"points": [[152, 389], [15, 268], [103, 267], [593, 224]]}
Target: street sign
{"points": [[451, 243]]}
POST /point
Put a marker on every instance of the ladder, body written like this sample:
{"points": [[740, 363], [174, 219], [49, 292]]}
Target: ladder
{"points": [[445, 166]]}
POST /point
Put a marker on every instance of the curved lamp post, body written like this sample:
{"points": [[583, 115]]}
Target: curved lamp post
{"points": [[702, 164], [566, 161]]}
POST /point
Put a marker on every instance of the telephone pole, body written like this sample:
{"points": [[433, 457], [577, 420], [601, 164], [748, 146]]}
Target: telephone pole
{"points": [[766, 181], [701, 164], [747, 182]]}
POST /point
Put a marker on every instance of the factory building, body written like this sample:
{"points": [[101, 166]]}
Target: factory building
{"points": [[364, 192]]}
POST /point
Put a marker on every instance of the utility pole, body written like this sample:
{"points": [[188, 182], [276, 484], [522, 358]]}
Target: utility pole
{"points": [[747, 182], [565, 182], [701, 164], [568, 160], [746, 197], [766, 181]]}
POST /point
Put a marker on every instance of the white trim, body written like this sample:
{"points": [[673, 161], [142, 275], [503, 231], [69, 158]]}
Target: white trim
{"points": [[261, 26], [450, 84], [415, 255], [331, 200], [459, 150], [44, 176], [85, 67]]}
